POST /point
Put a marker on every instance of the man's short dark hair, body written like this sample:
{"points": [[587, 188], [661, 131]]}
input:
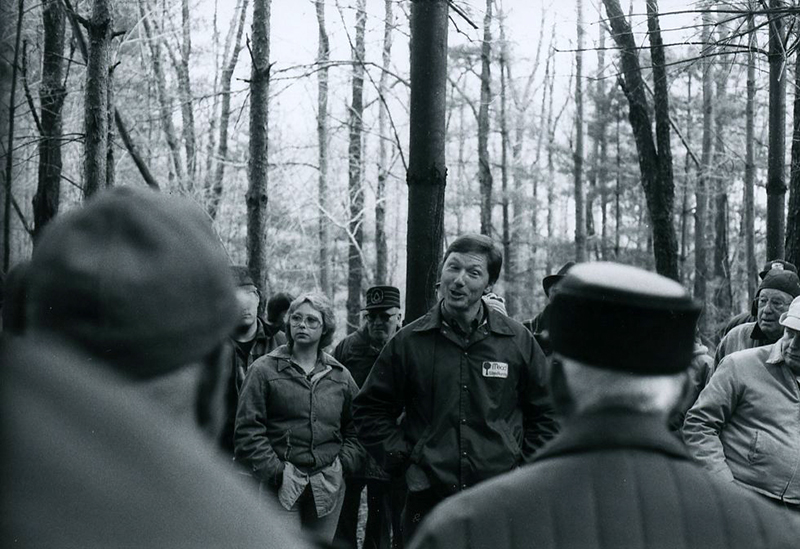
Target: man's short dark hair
{"points": [[481, 244], [277, 305]]}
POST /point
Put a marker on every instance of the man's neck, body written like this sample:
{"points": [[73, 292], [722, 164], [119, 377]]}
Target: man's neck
{"points": [[464, 317], [243, 336]]}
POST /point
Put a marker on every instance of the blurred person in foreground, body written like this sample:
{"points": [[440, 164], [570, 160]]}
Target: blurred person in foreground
{"points": [[358, 352], [112, 398], [294, 428], [250, 340], [745, 425], [472, 384], [614, 476]]}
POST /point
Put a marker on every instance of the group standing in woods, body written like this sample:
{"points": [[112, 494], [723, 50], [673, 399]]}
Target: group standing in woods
{"points": [[153, 395], [130, 336]]}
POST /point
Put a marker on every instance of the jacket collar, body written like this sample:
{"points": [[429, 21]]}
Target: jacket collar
{"points": [[284, 358], [495, 321], [614, 429]]}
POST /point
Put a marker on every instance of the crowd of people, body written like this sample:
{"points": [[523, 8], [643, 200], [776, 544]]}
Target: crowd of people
{"points": [[146, 403]]}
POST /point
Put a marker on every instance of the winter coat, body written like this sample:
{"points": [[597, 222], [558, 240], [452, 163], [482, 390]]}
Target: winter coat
{"points": [[285, 415], [474, 409], [609, 480], [744, 336], [746, 423]]}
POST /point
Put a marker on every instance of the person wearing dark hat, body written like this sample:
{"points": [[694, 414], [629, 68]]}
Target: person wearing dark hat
{"points": [[250, 340], [775, 265], [277, 306], [745, 425], [773, 297], [112, 397], [614, 476], [471, 382], [358, 352], [538, 325]]}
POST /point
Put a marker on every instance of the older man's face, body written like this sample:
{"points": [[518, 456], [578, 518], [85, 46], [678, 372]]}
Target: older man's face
{"points": [[382, 324], [791, 350], [772, 304]]}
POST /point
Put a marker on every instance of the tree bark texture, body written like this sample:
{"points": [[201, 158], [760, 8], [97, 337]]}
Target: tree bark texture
{"points": [[187, 100], [258, 166], [655, 165], [355, 186], [96, 103], [214, 185], [427, 174], [484, 168], [323, 57], [722, 276], [703, 181], [776, 179], [509, 255], [9, 111], [580, 192], [111, 167], [793, 220], [51, 98], [381, 247], [749, 167]]}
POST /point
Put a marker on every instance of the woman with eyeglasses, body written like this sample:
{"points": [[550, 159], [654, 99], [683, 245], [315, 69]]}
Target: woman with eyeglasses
{"points": [[294, 429]]}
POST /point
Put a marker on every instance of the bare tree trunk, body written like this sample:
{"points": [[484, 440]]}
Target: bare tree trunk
{"points": [[9, 119], [427, 174], [749, 167], [722, 277], [164, 100], [258, 167], [323, 57], [617, 185], [655, 164], [96, 103], [509, 251], [381, 248], [111, 167], [187, 101], [551, 171], [51, 98], [355, 186], [687, 174], [601, 172], [484, 169], [776, 178], [215, 182], [580, 207], [702, 188], [793, 221]]}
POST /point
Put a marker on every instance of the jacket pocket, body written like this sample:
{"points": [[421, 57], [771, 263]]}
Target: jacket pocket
{"points": [[510, 440], [755, 453]]}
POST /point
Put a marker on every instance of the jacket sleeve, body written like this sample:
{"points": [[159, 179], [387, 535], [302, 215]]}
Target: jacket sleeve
{"points": [[538, 415], [709, 415], [251, 443], [352, 454], [378, 406]]}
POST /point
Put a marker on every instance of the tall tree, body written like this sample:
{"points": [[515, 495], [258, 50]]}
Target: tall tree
{"points": [[355, 185], [580, 208], [51, 97], [8, 84], [233, 46], [749, 169], [381, 247], [655, 157], [185, 90], [703, 181], [323, 59], [427, 174], [96, 103], [484, 169], [793, 220], [722, 277], [258, 167], [776, 178]]}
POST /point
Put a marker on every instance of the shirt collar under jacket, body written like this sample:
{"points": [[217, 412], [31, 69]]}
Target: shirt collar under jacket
{"points": [[284, 356], [495, 321]]}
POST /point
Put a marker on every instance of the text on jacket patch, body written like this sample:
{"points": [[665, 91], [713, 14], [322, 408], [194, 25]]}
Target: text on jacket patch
{"points": [[495, 369]]}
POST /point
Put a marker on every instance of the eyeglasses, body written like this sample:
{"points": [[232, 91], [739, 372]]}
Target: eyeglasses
{"points": [[777, 304], [311, 322], [385, 317]]}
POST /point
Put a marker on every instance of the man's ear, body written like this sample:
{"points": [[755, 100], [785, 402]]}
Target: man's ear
{"points": [[488, 289]]}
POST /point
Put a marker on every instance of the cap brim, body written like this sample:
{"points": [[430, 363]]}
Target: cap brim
{"points": [[791, 322]]}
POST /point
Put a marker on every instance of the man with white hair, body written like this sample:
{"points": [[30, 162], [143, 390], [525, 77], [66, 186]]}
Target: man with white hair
{"points": [[745, 425], [614, 476]]}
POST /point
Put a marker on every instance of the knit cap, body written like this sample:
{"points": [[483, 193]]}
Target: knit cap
{"points": [[136, 278], [785, 281]]}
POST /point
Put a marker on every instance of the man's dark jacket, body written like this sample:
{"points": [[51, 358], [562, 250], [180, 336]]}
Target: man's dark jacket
{"points": [[610, 480], [474, 409]]}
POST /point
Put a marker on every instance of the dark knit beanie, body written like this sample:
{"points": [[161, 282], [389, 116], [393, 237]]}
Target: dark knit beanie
{"points": [[785, 281], [623, 318], [136, 278]]}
